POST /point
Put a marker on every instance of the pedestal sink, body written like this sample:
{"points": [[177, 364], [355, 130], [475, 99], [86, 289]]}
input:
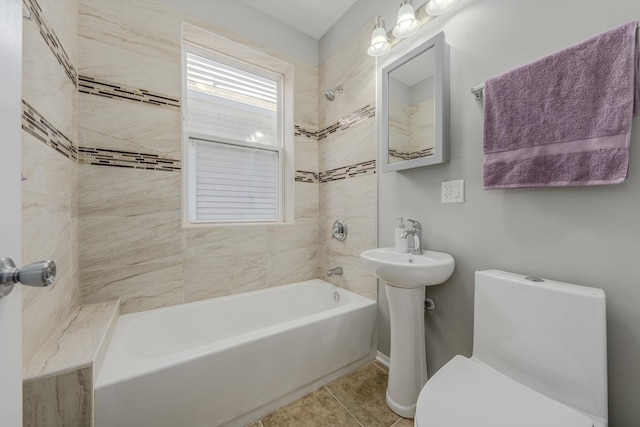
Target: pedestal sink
{"points": [[406, 275]]}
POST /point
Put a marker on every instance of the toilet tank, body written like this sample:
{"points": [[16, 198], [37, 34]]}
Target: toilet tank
{"points": [[550, 336]]}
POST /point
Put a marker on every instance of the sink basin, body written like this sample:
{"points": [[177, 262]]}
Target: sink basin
{"points": [[407, 270]]}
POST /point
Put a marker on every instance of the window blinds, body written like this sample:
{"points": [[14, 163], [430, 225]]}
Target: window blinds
{"points": [[235, 183]]}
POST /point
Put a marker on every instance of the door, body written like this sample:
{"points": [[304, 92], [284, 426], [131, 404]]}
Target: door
{"points": [[10, 113]]}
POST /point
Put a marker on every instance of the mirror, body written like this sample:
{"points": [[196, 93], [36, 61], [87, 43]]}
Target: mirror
{"points": [[413, 106]]}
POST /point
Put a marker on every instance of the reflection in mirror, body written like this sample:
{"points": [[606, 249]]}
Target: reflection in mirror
{"points": [[411, 109], [413, 106]]}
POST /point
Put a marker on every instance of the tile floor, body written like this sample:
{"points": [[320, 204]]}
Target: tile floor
{"points": [[357, 400]]}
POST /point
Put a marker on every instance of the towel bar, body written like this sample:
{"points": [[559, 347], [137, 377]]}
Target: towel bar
{"points": [[478, 91]]}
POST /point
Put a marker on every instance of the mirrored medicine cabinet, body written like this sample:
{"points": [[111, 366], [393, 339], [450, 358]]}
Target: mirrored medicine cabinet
{"points": [[413, 106]]}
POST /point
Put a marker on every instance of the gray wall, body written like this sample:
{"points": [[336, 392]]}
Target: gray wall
{"points": [[583, 235]]}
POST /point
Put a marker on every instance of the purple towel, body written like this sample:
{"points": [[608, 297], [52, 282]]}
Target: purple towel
{"points": [[564, 119]]}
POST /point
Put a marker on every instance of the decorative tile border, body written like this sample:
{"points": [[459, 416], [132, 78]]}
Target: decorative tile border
{"points": [[347, 121], [412, 155], [343, 124], [127, 159], [52, 40], [308, 177], [299, 131], [34, 123], [106, 89], [351, 171]]}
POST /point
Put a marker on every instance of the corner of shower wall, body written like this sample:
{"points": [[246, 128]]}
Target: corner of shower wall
{"points": [[49, 164], [347, 159]]}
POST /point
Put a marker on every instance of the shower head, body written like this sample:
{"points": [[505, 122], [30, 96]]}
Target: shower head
{"points": [[331, 93]]}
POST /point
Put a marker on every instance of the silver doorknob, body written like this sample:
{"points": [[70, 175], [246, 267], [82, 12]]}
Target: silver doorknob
{"points": [[39, 274]]}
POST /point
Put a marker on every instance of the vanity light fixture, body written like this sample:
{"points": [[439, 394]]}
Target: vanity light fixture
{"points": [[380, 44], [438, 7], [406, 24]]}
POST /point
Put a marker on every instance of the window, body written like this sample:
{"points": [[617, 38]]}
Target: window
{"points": [[234, 133]]}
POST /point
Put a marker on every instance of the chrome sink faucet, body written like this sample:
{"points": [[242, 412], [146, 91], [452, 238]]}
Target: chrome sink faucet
{"points": [[417, 236]]}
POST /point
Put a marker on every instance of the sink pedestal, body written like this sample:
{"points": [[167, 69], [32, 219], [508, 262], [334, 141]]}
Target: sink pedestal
{"points": [[408, 363]]}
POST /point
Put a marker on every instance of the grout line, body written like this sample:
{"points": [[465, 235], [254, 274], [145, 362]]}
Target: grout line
{"points": [[380, 367], [397, 422], [345, 408]]}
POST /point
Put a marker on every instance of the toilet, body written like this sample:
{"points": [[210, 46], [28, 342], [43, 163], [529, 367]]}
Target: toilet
{"points": [[539, 359]]}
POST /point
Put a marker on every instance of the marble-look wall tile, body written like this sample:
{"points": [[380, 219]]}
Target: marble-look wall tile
{"points": [[48, 194], [306, 200], [356, 145], [134, 240], [47, 191], [214, 276], [354, 278], [351, 196], [139, 287], [223, 260], [354, 197], [351, 67], [58, 14], [306, 152], [45, 309], [45, 84], [292, 252], [104, 61], [117, 192], [106, 123], [59, 400], [123, 40], [306, 95]]}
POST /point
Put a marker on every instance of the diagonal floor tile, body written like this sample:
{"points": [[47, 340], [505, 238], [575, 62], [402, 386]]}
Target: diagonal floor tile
{"points": [[363, 394], [319, 409], [404, 422]]}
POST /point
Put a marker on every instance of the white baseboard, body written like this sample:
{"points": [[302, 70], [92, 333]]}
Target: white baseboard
{"points": [[382, 358]]}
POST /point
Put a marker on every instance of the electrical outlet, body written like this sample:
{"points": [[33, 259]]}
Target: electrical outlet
{"points": [[452, 191], [445, 196]]}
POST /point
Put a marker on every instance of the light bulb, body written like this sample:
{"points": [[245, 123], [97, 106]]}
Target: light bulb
{"points": [[379, 42], [406, 23], [438, 7]]}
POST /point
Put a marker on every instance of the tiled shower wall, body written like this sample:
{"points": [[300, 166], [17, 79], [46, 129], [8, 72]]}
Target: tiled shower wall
{"points": [[49, 168], [132, 244], [351, 148]]}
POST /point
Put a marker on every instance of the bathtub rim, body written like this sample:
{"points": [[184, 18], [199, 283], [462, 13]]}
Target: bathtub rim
{"points": [[356, 302]]}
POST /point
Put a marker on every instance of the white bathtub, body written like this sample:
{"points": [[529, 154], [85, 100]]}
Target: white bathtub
{"points": [[230, 360]]}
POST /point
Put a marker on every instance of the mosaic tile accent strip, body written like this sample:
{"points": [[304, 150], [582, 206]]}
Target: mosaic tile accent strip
{"points": [[91, 86], [34, 123], [352, 171], [299, 131], [346, 122], [127, 159], [412, 155], [343, 124], [52, 40], [309, 177]]}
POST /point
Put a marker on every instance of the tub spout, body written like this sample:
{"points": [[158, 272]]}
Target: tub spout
{"points": [[335, 272]]}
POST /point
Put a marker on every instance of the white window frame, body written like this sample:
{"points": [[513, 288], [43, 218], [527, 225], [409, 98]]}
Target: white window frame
{"points": [[245, 58]]}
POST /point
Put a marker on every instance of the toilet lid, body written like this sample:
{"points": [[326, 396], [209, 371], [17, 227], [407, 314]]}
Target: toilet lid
{"points": [[466, 392]]}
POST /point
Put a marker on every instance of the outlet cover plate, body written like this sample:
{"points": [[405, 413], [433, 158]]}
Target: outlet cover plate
{"points": [[452, 191]]}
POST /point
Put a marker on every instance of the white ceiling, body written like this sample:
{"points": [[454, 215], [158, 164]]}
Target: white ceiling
{"points": [[311, 17]]}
